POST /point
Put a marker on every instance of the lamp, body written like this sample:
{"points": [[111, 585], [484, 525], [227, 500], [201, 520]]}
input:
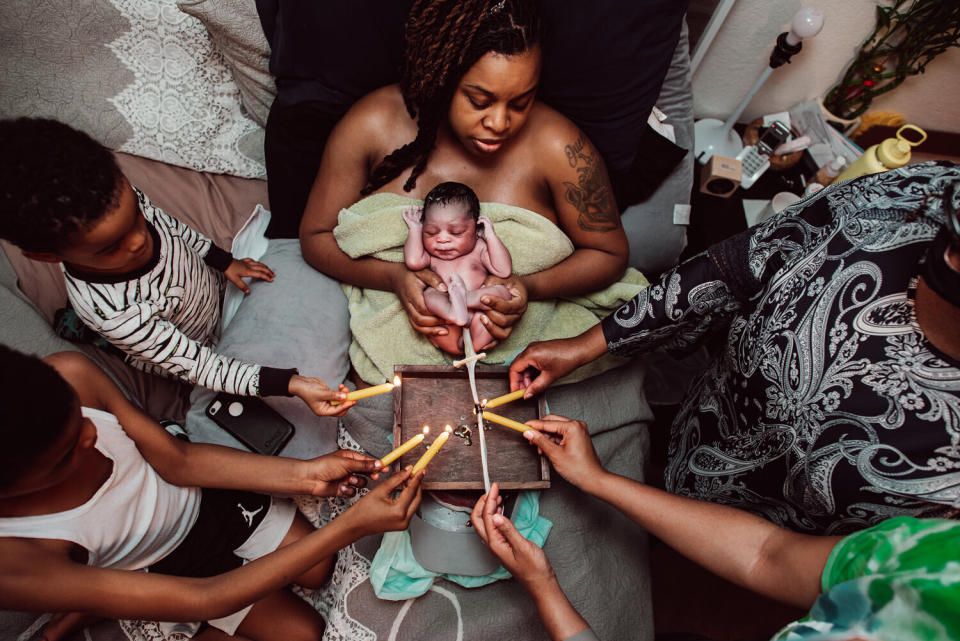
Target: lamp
{"points": [[714, 137]]}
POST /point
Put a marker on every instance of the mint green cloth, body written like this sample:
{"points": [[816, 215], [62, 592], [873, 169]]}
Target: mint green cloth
{"points": [[396, 575]]}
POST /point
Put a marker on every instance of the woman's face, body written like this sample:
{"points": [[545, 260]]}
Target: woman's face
{"points": [[493, 99]]}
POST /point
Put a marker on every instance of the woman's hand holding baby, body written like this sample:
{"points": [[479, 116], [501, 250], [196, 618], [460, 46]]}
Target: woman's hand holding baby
{"points": [[247, 268], [408, 286], [317, 395], [504, 313]]}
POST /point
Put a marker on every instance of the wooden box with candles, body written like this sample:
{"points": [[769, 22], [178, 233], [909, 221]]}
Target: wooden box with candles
{"points": [[437, 396]]}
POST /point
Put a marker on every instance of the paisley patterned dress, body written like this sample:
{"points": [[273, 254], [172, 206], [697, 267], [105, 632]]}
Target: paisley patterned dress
{"points": [[825, 409]]}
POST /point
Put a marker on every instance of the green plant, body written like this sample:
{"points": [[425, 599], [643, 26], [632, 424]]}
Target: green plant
{"points": [[901, 45]]}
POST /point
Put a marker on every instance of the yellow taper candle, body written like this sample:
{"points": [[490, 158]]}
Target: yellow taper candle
{"points": [[506, 398], [403, 449], [383, 388], [429, 454], [366, 392], [506, 422]]}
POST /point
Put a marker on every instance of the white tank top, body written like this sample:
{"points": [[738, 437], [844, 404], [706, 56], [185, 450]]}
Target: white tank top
{"points": [[134, 519]]}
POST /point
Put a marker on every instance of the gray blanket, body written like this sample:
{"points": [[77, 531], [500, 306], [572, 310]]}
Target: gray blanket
{"points": [[600, 556]]}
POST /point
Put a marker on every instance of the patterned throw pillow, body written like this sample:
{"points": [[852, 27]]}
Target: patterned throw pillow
{"points": [[140, 76]]}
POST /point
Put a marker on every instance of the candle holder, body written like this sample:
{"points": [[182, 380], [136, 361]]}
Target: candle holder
{"points": [[440, 395]]}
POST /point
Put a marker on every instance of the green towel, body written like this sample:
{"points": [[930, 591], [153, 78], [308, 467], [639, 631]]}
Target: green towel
{"points": [[382, 334]]}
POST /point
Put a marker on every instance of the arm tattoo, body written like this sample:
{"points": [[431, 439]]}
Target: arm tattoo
{"points": [[591, 195]]}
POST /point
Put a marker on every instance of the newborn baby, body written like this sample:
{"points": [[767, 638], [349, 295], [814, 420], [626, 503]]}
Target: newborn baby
{"points": [[451, 237]]}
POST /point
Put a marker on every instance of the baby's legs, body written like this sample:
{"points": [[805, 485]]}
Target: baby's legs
{"points": [[482, 339], [474, 296], [452, 343], [451, 306]]}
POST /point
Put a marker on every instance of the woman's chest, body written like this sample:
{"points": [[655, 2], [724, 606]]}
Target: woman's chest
{"points": [[512, 180]]}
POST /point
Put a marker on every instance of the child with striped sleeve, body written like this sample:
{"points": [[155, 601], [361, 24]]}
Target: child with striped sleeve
{"points": [[146, 282]]}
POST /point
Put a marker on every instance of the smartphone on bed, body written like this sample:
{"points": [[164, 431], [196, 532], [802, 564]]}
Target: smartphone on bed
{"points": [[251, 421]]}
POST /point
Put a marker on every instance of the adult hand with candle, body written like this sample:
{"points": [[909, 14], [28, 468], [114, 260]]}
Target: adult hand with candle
{"points": [[554, 359], [338, 473], [381, 510], [568, 446], [528, 564]]}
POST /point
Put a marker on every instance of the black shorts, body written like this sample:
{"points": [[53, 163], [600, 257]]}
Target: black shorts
{"points": [[226, 519]]}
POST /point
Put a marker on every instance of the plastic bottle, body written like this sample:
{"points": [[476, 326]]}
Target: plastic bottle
{"points": [[829, 172], [888, 154]]}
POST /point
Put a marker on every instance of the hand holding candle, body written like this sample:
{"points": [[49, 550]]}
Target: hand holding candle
{"points": [[366, 392], [434, 448], [406, 447]]}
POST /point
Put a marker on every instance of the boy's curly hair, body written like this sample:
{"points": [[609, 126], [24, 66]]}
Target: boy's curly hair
{"points": [[444, 38], [36, 404], [54, 181]]}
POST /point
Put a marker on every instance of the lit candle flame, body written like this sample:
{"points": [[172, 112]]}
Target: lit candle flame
{"points": [[396, 379], [426, 429], [448, 428]]}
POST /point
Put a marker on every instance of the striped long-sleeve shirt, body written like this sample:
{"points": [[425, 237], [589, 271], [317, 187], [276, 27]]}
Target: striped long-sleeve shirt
{"points": [[165, 317]]}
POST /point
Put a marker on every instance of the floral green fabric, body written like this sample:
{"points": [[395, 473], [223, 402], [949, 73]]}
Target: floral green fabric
{"points": [[897, 581]]}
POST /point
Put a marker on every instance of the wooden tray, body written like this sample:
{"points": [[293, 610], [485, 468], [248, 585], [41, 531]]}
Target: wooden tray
{"points": [[439, 396]]}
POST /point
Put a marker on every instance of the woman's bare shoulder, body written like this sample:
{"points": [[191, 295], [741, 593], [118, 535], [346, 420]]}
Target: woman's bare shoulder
{"points": [[380, 110], [553, 135]]}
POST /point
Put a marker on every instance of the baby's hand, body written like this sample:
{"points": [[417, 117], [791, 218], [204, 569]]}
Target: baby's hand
{"points": [[411, 216], [247, 268], [484, 224]]}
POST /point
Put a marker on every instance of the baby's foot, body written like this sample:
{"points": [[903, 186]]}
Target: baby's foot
{"points": [[457, 291]]}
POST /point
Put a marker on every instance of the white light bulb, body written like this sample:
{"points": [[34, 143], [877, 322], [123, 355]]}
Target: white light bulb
{"points": [[805, 24]]}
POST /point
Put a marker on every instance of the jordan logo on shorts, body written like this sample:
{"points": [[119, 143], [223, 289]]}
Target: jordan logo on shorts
{"points": [[247, 514]]}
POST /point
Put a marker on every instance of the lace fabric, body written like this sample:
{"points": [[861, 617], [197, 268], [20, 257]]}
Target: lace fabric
{"points": [[183, 105]]}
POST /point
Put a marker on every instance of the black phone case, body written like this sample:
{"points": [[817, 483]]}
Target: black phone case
{"points": [[251, 421]]}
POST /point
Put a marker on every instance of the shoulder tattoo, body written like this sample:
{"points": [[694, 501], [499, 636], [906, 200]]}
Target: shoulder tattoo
{"points": [[591, 195]]}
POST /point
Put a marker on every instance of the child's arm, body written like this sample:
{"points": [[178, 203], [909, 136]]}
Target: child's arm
{"points": [[496, 259], [732, 543], [212, 466], [414, 255], [34, 577], [158, 346], [223, 261]]}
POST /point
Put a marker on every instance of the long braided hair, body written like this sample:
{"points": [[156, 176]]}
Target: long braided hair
{"points": [[444, 38]]}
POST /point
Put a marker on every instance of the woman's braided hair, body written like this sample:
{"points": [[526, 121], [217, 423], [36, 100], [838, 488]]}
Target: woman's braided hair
{"points": [[444, 38]]}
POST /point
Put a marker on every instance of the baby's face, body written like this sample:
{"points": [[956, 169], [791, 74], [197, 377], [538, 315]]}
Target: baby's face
{"points": [[449, 231]]}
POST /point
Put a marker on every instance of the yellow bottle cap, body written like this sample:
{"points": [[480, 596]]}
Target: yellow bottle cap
{"points": [[894, 152]]}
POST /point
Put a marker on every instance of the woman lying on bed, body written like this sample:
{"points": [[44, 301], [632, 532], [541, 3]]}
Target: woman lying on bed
{"points": [[466, 111]]}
